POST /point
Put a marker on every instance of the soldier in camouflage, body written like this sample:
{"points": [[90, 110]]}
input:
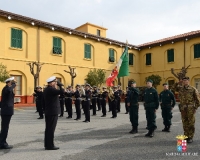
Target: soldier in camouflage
{"points": [[168, 101], [189, 102]]}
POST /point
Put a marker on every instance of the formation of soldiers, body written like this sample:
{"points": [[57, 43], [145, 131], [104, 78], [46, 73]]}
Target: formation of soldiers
{"points": [[86, 98], [55, 97], [189, 102]]}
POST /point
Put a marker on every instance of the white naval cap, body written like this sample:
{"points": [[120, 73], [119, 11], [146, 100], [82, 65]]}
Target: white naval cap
{"points": [[10, 79], [51, 79]]}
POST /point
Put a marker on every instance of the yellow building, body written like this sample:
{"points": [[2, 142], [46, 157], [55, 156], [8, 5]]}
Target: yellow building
{"points": [[24, 40]]}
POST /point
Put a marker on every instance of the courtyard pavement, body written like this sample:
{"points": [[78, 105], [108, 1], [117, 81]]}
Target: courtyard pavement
{"points": [[101, 139]]}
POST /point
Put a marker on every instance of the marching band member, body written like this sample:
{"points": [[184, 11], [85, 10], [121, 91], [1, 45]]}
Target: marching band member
{"points": [[99, 99], [104, 96], [68, 101], [86, 103], [94, 100], [77, 102]]}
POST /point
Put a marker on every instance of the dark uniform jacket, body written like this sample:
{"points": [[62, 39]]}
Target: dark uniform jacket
{"points": [[132, 96], [167, 99], [51, 100], [87, 95], [7, 100], [116, 95], [39, 98], [94, 94], [77, 94], [120, 94], [69, 94], [104, 95], [151, 98]]}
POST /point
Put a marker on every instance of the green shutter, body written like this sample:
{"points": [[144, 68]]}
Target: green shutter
{"points": [[57, 45], [111, 55], [130, 59], [197, 51], [148, 59], [16, 38], [170, 55], [87, 52], [13, 40], [19, 38]]}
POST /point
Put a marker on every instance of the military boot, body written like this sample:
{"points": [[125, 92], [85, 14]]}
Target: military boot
{"points": [[168, 128], [148, 134], [151, 133], [132, 130], [135, 130], [189, 140], [165, 129]]}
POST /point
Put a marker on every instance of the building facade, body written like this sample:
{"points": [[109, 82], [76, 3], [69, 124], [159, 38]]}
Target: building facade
{"points": [[26, 40]]}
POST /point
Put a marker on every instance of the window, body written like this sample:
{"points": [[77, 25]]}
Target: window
{"points": [[57, 45], [18, 88], [197, 83], [148, 59], [16, 38], [111, 55], [131, 59], [87, 53], [98, 32], [170, 55], [197, 51]]}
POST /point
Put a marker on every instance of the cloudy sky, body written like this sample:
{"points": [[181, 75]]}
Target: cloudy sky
{"points": [[138, 21]]}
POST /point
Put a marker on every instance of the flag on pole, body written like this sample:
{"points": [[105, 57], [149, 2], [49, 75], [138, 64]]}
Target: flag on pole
{"points": [[121, 69]]}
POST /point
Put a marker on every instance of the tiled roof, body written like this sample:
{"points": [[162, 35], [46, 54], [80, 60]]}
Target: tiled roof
{"points": [[173, 39], [28, 20]]}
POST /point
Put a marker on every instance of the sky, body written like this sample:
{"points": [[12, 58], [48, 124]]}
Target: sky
{"points": [[138, 21]]}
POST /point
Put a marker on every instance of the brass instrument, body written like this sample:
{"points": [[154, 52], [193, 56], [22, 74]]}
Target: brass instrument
{"points": [[82, 91], [111, 94]]}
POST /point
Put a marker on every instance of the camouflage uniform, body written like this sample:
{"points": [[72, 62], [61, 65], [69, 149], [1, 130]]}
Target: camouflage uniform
{"points": [[189, 102], [168, 101]]}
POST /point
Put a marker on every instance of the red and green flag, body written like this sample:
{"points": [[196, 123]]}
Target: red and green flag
{"points": [[121, 69]]}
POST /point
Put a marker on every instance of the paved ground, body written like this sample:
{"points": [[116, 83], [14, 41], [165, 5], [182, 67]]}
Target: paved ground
{"points": [[101, 139]]}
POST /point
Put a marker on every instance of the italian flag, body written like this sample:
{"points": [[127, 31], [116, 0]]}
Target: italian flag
{"points": [[121, 69]]}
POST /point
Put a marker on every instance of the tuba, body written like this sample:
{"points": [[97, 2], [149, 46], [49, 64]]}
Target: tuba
{"points": [[111, 94]]}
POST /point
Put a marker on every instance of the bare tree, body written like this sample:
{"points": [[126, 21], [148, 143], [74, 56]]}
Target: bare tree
{"points": [[35, 72], [72, 74], [180, 74]]}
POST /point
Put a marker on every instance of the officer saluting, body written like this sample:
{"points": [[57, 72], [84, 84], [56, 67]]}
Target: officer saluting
{"points": [[52, 107], [7, 110], [151, 104], [189, 103], [168, 101]]}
